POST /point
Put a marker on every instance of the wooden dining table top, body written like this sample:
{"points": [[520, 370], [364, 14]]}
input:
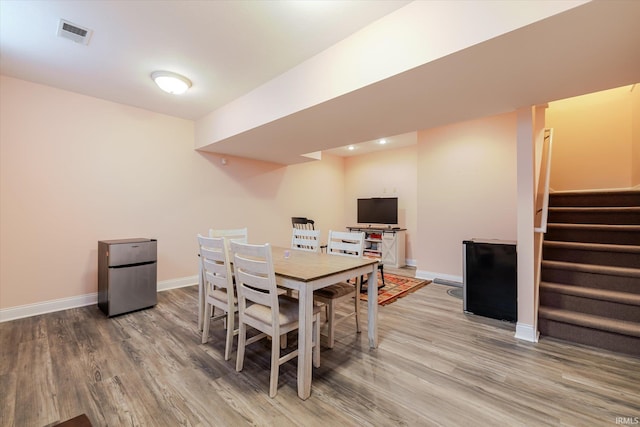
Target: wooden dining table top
{"points": [[306, 266]]}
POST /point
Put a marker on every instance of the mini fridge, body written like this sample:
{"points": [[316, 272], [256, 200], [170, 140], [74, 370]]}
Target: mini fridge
{"points": [[490, 286], [127, 275]]}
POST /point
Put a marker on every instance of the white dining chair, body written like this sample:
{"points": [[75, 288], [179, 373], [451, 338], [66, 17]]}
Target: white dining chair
{"points": [[305, 240], [341, 243], [239, 234], [261, 307], [219, 290]]}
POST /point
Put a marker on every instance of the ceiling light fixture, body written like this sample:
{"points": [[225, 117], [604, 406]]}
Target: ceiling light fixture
{"points": [[171, 82], [351, 148], [382, 141]]}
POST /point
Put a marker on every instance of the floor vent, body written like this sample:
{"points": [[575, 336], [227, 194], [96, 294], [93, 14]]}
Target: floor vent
{"points": [[74, 32]]}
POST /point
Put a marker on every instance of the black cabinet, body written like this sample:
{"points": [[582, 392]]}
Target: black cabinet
{"points": [[490, 279]]}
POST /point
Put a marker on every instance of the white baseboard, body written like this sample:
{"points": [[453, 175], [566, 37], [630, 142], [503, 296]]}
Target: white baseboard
{"points": [[182, 282], [35, 309], [50, 306], [526, 332], [430, 275]]}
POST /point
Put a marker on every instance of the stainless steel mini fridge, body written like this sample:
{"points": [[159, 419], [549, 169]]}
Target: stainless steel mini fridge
{"points": [[127, 275], [490, 285]]}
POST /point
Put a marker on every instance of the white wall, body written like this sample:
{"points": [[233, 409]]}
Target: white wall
{"points": [[388, 173], [467, 189], [593, 141], [76, 169]]}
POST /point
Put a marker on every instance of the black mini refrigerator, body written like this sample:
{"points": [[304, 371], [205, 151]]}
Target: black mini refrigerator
{"points": [[127, 275], [490, 287]]}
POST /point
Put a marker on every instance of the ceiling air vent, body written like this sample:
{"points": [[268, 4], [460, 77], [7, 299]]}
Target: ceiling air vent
{"points": [[74, 32]]}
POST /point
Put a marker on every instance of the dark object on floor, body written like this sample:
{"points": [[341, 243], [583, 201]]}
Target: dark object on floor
{"points": [[455, 292], [364, 287], [490, 279], [79, 421]]}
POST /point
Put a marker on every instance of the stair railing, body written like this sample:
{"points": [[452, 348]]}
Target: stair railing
{"points": [[541, 212], [544, 175]]}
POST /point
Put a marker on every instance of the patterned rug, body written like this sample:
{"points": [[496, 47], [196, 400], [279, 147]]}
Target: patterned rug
{"points": [[396, 287]]}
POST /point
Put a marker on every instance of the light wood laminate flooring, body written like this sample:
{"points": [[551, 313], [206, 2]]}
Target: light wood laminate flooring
{"points": [[435, 366]]}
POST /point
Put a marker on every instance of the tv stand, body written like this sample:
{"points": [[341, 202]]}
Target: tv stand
{"points": [[385, 243]]}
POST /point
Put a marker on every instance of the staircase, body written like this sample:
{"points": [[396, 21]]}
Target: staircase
{"points": [[590, 277]]}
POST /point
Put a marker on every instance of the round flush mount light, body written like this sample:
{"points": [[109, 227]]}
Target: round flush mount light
{"points": [[171, 82]]}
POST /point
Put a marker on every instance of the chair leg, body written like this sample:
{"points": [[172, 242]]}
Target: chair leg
{"points": [[283, 341], [331, 317], [206, 319], [230, 332], [316, 341], [242, 338], [357, 304], [275, 368]]}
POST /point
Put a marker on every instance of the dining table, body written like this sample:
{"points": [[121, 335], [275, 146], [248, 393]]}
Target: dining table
{"points": [[306, 272]]}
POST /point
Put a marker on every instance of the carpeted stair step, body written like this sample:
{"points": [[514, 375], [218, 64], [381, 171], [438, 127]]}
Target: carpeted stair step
{"points": [[592, 253], [617, 305], [590, 289], [594, 233], [595, 198], [612, 334], [595, 215], [619, 279]]}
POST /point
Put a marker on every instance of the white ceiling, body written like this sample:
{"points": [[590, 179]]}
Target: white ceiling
{"points": [[228, 48], [380, 144]]}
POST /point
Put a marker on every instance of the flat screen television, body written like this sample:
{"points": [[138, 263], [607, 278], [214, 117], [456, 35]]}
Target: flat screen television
{"points": [[378, 210]]}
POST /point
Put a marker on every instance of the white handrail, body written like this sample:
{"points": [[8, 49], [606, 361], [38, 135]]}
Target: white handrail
{"points": [[542, 193]]}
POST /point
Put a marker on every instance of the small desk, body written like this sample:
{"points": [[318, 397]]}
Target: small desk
{"points": [[307, 271]]}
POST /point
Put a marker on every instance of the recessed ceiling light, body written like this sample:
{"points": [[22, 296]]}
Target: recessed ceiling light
{"points": [[171, 82], [382, 141], [351, 148]]}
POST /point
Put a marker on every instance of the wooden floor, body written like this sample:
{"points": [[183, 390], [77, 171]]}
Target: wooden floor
{"points": [[435, 366]]}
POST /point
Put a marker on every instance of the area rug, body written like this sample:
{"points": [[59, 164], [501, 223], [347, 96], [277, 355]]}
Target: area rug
{"points": [[396, 287]]}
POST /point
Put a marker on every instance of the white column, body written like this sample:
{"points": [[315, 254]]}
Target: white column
{"points": [[526, 325]]}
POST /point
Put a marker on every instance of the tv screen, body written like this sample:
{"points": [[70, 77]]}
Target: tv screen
{"points": [[378, 210]]}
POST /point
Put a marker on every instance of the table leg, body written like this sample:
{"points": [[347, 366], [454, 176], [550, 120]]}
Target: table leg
{"points": [[372, 297], [200, 296], [305, 332]]}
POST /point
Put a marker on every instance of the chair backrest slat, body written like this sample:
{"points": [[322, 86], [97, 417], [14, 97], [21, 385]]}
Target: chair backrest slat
{"points": [[236, 234], [215, 261], [232, 234], [302, 223], [346, 243], [305, 240], [255, 275]]}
